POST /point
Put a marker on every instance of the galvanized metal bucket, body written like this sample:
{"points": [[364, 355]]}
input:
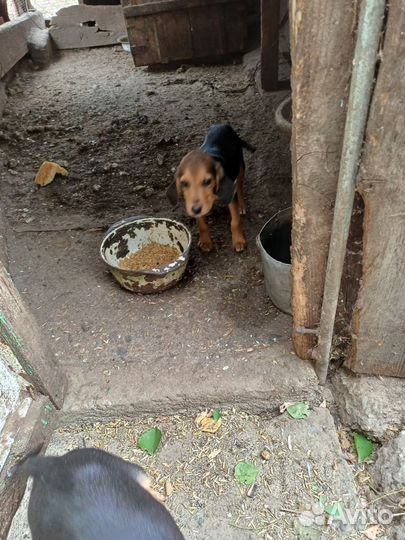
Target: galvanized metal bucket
{"points": [[277, 272], [130, 235]]}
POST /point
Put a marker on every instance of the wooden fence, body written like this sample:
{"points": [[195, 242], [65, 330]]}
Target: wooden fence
{"points": [[373, 289]]}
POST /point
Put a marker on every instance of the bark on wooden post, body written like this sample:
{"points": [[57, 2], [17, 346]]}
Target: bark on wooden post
{"points": [[19, 330], [322, 45], [378, 326]]}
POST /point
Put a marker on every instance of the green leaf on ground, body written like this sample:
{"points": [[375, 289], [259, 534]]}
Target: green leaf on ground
{"points": [[246, 473], [299, 410], [150, 441], [364, 447], [334, 509], [216, 415]]}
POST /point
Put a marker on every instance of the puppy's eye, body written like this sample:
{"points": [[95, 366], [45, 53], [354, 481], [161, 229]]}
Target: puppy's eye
{"points": [[207, 182], [185, 184]]}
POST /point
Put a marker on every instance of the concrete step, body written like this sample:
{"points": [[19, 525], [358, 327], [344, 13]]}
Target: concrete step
{"points": [[259, 381]]}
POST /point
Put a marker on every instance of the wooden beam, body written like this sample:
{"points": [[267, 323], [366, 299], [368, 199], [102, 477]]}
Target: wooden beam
{"points": [[270, 16], [378, 327], [30, 433], [82, 26], [13, 39], [322, 45], [20, 332]]}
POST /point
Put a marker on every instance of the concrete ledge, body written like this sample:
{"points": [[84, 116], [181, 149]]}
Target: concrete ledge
{"points": [[14, 37], [83, 26], [270, 378]]}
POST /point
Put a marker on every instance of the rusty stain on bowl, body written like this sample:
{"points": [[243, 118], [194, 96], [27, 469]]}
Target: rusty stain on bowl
{"points": [[130, 235]]}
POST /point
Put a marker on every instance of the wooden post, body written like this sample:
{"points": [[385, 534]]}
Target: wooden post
{"points": [[322, 46], [270, 15], [28, 434], [378, 326], [20, 332]]}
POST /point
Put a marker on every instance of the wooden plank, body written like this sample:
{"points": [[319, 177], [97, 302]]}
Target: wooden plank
{"points": [[13, 39], [151, 8], [174, 35], [81, 26], [234, 26], [322, 46], [206, 32], [19, 330], [28, 433], [144, 40], [270, 15], [378, 328], [186, 34]]}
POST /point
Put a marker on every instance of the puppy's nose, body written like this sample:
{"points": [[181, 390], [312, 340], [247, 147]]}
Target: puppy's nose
{"points": [[196, 210]]}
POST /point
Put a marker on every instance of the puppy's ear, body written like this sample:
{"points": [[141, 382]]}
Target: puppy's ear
{"points": [[226, 191], [172, 193], [225, 187]]}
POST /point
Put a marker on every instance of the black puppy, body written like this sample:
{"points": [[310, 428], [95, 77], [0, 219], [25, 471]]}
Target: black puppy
{"points": [[89, 494], [214, 174]]}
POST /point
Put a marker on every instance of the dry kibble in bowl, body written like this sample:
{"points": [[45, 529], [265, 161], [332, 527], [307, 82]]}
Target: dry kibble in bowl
{"points": [[153, 255]]}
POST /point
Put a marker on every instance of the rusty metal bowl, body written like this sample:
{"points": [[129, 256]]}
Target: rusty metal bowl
{"points": [[131, 235]]}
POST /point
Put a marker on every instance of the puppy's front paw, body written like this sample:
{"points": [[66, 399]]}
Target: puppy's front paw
{"points": [[239, 243], [206, 244]]}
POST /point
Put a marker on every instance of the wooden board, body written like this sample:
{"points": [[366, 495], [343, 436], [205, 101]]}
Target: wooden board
{"points": [[163, 32], [13, 39], [28, 433], [79, 26], [322, 45], [378, 328], [20, 332]]}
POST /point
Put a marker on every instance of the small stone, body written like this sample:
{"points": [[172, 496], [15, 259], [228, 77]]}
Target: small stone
{"points": [[4, 136], [265, 454], [149, 192], [12, 163], [160, 159], [114, 165], [251, 492], [182, 69], [96, 187]]}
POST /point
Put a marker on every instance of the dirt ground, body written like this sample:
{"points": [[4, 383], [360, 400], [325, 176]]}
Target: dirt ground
{"points": [[214, 339], [120, 132], [205, 498]]}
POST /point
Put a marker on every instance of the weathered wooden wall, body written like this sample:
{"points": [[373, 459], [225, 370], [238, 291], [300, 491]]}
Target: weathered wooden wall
{"points": [[20, 332], [322, 46], [378, 326], [75, 27]]}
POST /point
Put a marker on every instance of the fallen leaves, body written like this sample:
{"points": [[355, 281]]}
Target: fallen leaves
{"points": [[209, 421], [150, 441], [364, 447], [299, 411], [246, 473], [47, 173]]}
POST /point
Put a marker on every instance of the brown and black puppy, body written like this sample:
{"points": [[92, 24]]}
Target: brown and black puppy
{"points": [[89, 494], [214, 174]]}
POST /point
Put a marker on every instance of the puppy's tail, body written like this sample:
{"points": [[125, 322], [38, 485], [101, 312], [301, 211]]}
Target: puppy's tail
{"points": [[247, 145]]}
